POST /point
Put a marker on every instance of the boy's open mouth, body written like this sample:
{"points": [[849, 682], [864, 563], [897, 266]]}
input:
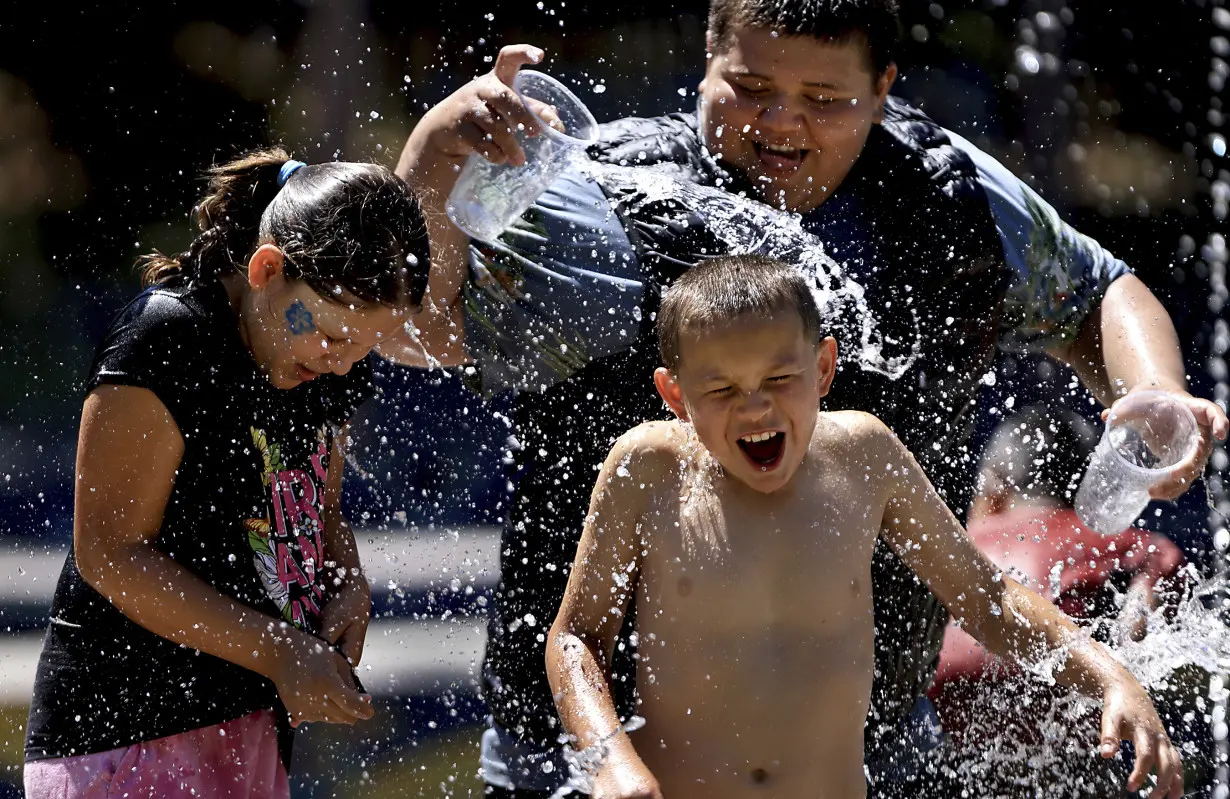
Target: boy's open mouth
{"points": [[763, 449], [779, 157]]}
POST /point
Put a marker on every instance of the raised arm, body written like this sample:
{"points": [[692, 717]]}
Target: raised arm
{"points": [[603, 581], [128, 451], [1012, 620], [1128, 343], [479, 117]]}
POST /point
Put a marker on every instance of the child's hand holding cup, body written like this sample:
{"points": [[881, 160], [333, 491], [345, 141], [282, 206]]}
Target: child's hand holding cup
{"points": [[1148, 435], [488, 197]]}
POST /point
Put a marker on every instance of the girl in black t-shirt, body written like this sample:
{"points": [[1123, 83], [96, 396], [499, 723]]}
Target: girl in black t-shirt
{"points": [[213, 593]]}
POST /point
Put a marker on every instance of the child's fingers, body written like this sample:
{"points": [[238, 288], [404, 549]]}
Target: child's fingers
{"points": [[1183, 474], [516, 112], [1146, 758], [1210, 417], [512, 57], [498, 132], [1110, 733], [546, 112], [1169, 772], [350, 706], [333, 629], [1165, 775]]}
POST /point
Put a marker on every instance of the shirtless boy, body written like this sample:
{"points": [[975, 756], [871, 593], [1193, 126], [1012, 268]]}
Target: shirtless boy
{"points": [[745, 529]]}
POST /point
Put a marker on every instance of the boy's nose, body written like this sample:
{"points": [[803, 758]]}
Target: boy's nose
{"points": [[781, 116], [756, 405]]}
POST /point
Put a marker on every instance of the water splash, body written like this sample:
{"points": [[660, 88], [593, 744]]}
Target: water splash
{"points": [[583, 766], [701, 521], [745, 227], [1021, 734]]}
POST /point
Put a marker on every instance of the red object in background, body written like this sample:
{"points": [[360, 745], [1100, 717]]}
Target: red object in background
{"points": [[1031, 541]]}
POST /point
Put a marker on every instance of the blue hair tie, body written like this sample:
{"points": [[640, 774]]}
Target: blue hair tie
{"points": [[287, 170]]}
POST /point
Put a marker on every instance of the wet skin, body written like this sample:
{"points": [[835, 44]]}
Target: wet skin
{"points": [[751, 566], [294, 334], [756, 653]]}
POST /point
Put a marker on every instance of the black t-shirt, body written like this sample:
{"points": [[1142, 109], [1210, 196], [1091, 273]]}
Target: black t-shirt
{"points": [[244, 515]]}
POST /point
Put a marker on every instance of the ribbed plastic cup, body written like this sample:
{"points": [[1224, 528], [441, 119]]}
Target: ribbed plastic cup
{"points": [[1147, 435], [487, 197]]}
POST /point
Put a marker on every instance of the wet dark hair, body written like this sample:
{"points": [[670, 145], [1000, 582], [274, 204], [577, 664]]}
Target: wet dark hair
{"points": [[345, 229], [722, 289], [874, 21], [1040, 454]]}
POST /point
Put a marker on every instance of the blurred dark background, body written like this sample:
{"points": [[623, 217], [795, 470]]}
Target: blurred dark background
{"points": [[110, 110]]}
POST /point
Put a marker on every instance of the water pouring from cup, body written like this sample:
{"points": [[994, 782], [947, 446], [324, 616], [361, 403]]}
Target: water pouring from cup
{"points": [[1148, 434], [487, 197]]}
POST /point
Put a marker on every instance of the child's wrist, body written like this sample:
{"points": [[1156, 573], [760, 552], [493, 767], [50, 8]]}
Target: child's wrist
{"points": [[286, 646]]}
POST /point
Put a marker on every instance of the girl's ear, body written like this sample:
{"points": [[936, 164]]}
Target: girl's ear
{"points": [[669, 391], [265, 264]]}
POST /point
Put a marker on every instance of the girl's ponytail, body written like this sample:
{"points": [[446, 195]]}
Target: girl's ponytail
{"points": [[350, 231], [229, 218]]}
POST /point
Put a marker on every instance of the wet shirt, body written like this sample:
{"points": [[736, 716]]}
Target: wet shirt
{"points": [[565, 286], [245, 515]]}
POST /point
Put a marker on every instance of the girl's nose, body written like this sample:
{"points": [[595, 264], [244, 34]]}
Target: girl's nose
{"points": [[340, 358]]}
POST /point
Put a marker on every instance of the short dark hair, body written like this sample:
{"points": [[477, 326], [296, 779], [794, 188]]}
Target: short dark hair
{"points": [[875, 21], [1040, 454], [723, 289]]}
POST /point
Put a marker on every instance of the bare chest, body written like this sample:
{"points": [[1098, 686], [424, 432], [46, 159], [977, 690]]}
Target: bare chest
{"points": [[800, 565]]}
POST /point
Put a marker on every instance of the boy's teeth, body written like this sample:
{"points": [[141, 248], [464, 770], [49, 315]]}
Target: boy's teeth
{"points": [[780, 150], [758, 437]]}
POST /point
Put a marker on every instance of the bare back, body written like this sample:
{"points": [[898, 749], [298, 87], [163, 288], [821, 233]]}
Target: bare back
{"points": [[755, 639]]}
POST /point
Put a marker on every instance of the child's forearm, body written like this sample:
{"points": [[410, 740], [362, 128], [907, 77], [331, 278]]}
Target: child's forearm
{"points": [[341, 561], [1026, 625], [165, 598], [582, 693]]}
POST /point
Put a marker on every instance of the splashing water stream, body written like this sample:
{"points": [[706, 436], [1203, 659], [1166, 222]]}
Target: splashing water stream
{"points": [[746, 227]]}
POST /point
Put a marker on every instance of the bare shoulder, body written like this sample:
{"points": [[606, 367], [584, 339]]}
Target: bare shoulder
{"points": [[855, 429], [652, 449]]}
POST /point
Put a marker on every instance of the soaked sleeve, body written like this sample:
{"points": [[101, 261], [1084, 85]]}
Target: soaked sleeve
{"points": [[1059, 274], [156, 343], [560, 288]]}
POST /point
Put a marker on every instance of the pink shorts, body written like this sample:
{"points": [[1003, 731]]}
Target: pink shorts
{"points": [[236, 760]]}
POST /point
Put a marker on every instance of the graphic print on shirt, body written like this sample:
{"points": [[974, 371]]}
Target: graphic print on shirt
{"points": [[288, 544]]}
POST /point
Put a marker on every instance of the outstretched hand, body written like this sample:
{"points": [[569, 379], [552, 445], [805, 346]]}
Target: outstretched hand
{"points": [[1127, 714], [1212, 423]]}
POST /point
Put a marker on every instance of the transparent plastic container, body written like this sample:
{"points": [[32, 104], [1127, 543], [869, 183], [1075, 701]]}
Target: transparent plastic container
{"points": [[488, 197], [1147, 435]]}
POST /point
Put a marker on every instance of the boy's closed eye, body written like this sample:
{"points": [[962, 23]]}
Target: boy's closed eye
{"points": [[719, 391], [749, 86]]}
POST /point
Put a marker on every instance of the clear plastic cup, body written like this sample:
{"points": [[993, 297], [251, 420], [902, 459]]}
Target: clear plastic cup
{"points": [[488, 197], [1147, 435]]}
